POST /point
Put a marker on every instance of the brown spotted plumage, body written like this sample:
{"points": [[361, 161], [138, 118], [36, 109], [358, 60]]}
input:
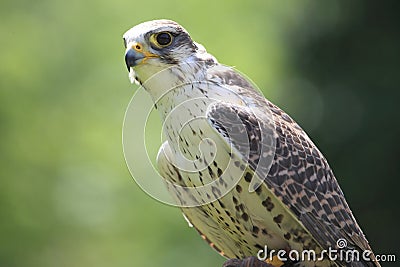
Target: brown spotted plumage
{"points": [[220, 129]]}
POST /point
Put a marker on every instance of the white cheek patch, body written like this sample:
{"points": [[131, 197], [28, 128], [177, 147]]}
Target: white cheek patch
{"points": [[132, 76]]}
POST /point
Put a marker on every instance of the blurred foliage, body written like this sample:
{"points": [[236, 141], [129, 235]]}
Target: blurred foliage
{"points": [[66, 197]]}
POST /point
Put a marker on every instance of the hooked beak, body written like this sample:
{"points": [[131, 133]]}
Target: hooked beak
{"points": [[132, 58], [136, 55]]}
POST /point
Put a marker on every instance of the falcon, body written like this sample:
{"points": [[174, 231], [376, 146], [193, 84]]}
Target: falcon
{"points": [[244, 173]]}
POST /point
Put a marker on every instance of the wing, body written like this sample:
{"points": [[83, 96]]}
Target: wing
{"points": [[299, 174]]}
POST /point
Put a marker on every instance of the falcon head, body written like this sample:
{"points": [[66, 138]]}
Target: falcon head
{"points": [[155, 45]]}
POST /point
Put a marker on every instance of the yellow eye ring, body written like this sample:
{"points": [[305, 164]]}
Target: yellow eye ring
{"points": [[162, 39]]}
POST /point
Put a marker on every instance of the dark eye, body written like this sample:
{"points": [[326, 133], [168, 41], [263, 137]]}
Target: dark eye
{"points": [[124, 42], [164, 38]]}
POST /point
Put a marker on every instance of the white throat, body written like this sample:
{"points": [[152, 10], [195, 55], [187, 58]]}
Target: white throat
{"points": [[169, 86]]}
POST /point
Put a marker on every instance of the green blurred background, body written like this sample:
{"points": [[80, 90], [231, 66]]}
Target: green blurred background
{"points": [[66, 197]]}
